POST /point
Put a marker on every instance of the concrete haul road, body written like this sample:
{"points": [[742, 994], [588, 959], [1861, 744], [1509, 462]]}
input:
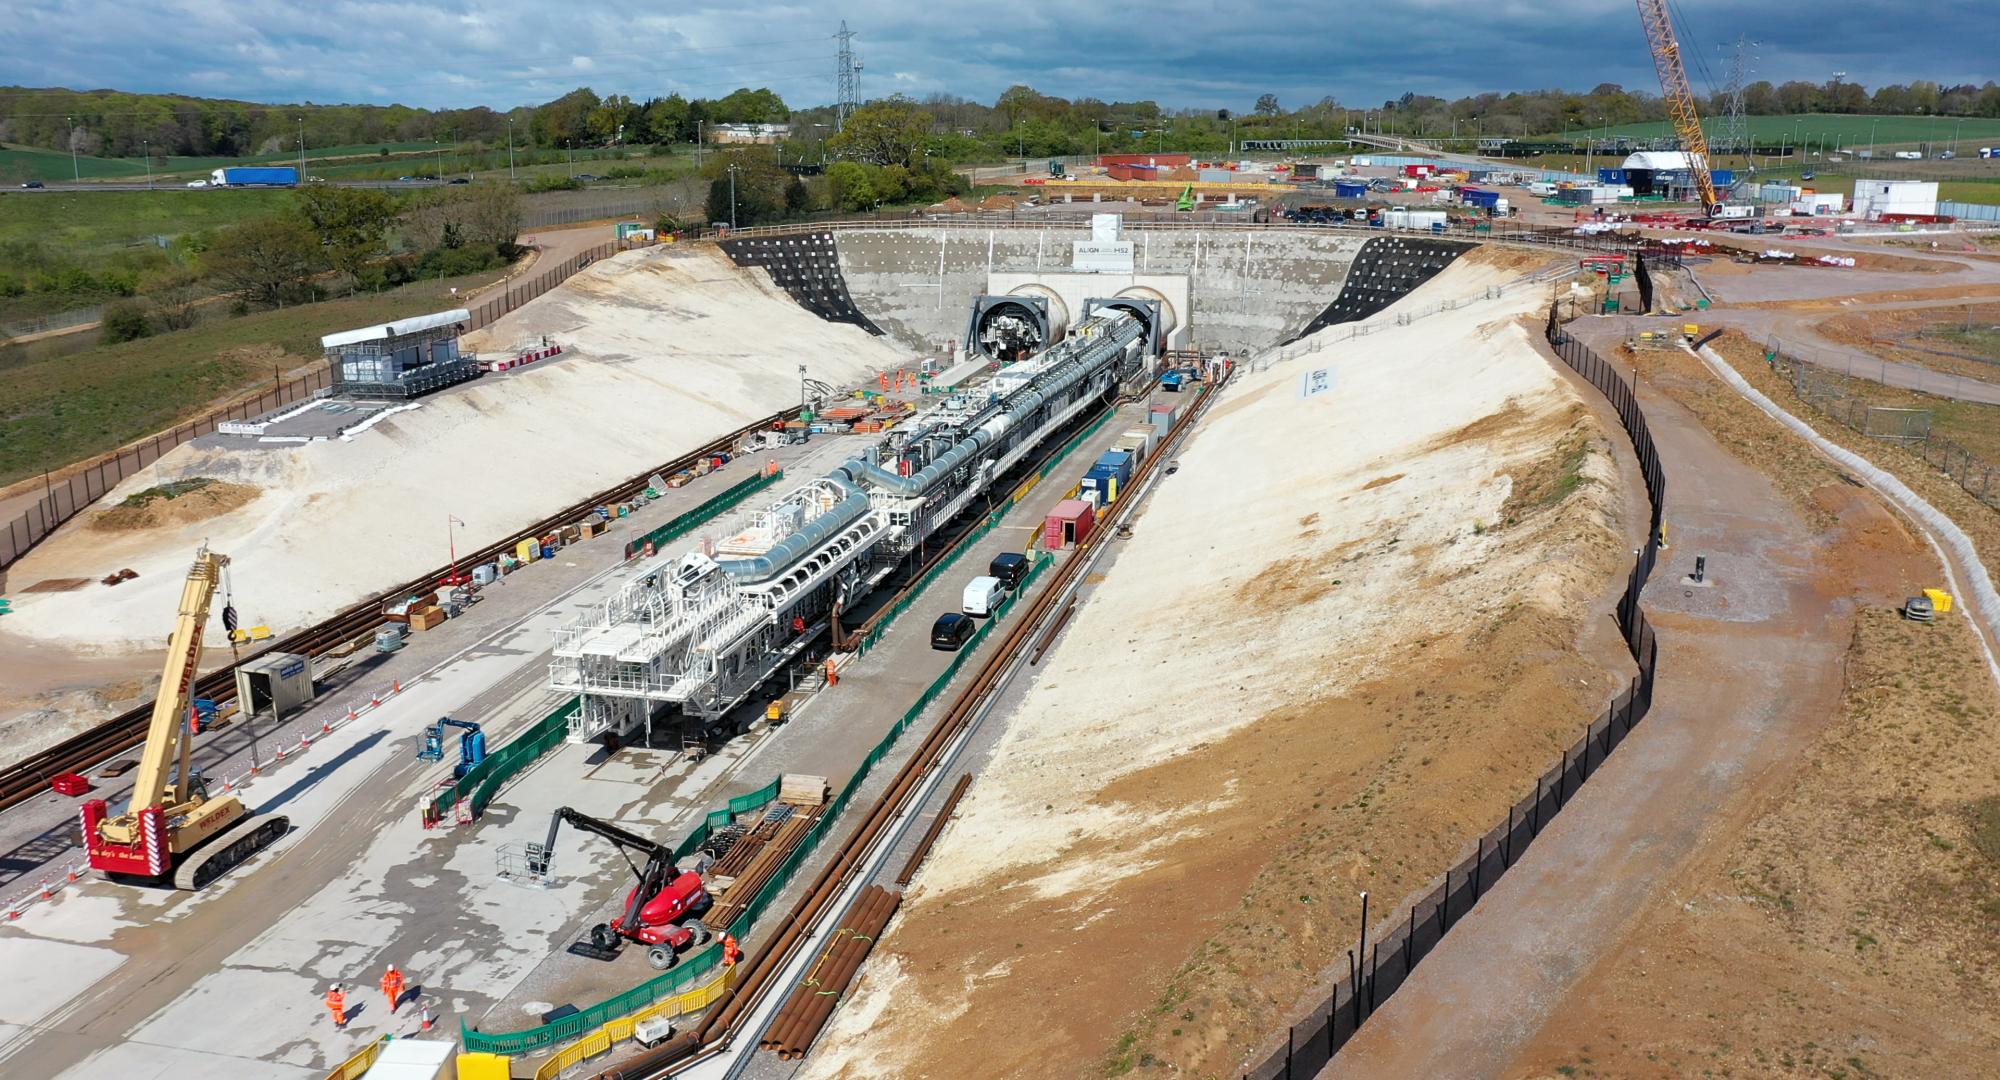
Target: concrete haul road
{"points": [[496, 677], [329, 905], [38, 837]]}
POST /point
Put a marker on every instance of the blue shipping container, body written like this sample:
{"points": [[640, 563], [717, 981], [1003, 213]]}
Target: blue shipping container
{"points": [[1722, 177], [1345, 190], [1611, 176], [1120, 465], [1105, 481]]}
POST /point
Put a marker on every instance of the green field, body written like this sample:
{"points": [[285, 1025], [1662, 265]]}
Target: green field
{"points": [[97, 222], [1840, 130], [65, 408], [19, 163]]}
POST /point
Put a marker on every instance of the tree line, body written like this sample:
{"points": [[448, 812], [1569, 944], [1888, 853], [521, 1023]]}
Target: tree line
{"points": [[1021, 120], [111, 123]]}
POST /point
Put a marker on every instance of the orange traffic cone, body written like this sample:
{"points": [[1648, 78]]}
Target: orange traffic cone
{"points": [[429, 1018]]}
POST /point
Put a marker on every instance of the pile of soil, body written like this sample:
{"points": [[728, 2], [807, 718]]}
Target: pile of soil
{"points": [[180, 503], [953, 205], [999, 202]]}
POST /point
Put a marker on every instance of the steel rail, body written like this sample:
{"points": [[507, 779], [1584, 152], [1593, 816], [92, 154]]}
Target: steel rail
{"points": [[723, 1022], [24, 779]]}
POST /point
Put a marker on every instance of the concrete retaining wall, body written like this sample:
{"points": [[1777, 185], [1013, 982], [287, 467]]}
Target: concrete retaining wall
{"points": [[1249, 291]]}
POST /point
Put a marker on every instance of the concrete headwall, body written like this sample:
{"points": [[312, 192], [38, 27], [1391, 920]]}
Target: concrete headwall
{"points": [[1248, 290]]}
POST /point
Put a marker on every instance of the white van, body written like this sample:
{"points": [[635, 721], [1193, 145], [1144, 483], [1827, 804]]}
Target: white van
{"points": [[983, 595]]}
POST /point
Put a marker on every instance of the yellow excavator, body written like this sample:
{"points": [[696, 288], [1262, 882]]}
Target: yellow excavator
{"points": [[175, 829]]}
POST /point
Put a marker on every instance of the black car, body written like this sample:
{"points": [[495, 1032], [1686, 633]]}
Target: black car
{"points": [[952, 630], [587, 177], [460, 180], [1010, 567], [34, 184]]}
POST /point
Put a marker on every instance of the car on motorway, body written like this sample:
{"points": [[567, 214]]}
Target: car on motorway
{"points": [[587, 177], [315, 179], [34, 184], [952, 630], [197, 183], [458, 180]]}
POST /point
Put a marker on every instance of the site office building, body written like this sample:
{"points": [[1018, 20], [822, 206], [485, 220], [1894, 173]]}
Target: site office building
{"points": [[1875, 198]]}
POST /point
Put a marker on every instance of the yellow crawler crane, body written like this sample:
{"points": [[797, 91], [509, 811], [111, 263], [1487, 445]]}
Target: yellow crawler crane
{"points": [[174, 826], [1680, 97]]}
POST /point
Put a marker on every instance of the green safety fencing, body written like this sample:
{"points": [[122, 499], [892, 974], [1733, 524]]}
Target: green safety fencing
{"points": [[895, 610], [485, 778], [702, 961], [700, 515], [666, 984]]}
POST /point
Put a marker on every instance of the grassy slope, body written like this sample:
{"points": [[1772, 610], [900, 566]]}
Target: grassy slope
{"points": [[65, 409], [98, 221], [19, 163]]}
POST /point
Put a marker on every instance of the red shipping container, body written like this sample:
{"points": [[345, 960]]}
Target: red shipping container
{"points": [[1068, 524]]}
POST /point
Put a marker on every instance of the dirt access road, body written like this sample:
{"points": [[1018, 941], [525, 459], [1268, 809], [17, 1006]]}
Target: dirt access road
{"points": [[1744, 687]]}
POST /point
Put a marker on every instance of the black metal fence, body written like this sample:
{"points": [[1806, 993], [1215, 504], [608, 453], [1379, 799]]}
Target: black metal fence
{"points": [[63, 499], [1373, 978]]}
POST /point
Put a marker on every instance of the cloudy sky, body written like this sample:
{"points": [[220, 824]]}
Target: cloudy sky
{"points": [[1179, 52]]}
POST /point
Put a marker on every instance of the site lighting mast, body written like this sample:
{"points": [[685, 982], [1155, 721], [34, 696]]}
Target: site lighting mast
{"points": [[1674, 87]]}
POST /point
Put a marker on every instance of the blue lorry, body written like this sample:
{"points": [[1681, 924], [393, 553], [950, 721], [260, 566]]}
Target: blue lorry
{"points": [[260, 176]]}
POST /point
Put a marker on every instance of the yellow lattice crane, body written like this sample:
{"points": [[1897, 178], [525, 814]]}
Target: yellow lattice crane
{"points": [[1680, 97]]}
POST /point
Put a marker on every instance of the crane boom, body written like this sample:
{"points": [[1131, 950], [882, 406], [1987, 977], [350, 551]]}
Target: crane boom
{"points": [[1680, 96], [166, 743]]}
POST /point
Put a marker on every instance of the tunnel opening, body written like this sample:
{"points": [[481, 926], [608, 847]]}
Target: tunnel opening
{"points": [[1011, 328]]}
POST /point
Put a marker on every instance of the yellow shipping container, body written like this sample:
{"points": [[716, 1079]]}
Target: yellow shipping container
{"points": [[1940, 600]]}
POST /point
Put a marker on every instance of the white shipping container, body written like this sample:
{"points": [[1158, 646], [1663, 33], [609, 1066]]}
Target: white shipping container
{"points": [[1873, 198]]}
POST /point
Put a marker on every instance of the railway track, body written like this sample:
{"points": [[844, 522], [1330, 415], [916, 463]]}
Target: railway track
{"points": [[28, 777], [720, 1026]]}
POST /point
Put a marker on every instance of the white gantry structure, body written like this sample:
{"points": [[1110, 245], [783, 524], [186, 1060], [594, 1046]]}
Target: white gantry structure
{"points": [[698, 636]]}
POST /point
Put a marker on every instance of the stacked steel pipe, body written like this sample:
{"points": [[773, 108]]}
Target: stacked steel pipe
{"points": [[799, 1021], [760, 868]]}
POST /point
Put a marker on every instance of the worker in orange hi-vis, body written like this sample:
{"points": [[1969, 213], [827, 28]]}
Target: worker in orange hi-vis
{"points": [[392, 988], [730, 952], [336, 1003], [832, 673]]}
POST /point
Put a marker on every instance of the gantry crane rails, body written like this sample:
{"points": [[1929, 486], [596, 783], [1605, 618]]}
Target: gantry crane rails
{"points": [[174, 823], [1680, 97]]}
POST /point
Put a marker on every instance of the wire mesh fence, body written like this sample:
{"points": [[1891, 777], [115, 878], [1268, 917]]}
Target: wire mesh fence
{"points": [[1376, 970], [1834, 397]]}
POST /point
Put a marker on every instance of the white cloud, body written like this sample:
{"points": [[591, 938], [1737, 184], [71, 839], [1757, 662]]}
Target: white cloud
{"points": [[1180, 52]]}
